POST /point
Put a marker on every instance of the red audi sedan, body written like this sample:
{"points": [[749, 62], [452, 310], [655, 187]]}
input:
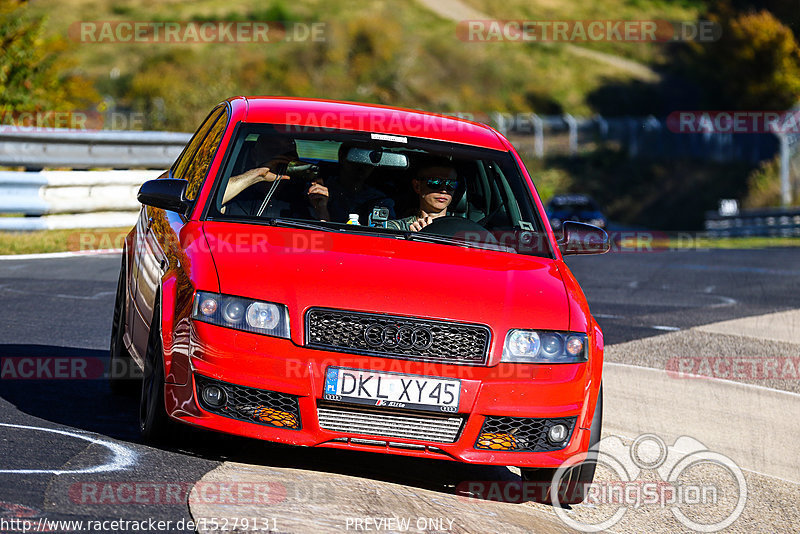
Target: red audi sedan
{"points": [[331, 274]]}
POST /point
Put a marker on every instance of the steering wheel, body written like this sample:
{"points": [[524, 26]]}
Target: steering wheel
{"points": [[451, 225]]}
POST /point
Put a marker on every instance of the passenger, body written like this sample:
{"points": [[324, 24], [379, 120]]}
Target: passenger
{"points": [[347, 193], [435, 185], [269, 155]]}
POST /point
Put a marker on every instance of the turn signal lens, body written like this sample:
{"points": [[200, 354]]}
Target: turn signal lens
{"points": [[208, 307], [574, 345]]}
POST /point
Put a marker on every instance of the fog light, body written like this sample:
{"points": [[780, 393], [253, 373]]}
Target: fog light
{"points": [[557, 433], [213, 396]]}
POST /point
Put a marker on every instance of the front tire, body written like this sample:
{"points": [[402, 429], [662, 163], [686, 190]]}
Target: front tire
{"points": [[573, 485], [155, 425]]}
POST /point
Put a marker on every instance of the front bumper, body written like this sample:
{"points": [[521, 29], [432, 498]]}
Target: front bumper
{"points": [[278, 365]]}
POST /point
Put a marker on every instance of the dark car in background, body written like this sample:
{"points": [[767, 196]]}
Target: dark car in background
{"points": [[575, 207]]}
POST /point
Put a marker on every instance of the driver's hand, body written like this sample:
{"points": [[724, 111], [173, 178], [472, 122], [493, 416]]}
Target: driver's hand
{"points": [[420, 223]]}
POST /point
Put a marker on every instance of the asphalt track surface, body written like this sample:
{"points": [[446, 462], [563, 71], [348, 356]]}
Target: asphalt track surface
{"points": [[61, 308]]}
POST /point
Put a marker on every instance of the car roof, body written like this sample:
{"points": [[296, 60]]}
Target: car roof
{"points": [[306, 112]]}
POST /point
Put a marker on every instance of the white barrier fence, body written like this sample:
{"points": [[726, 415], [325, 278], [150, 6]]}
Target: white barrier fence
{"points": [[78, 198], [70, 199]]}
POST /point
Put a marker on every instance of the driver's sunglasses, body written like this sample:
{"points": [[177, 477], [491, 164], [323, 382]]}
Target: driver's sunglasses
{"points": [[437, 184]]}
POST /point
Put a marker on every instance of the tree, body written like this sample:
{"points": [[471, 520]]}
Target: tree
{"points": [[33, 73], [754, 65]]}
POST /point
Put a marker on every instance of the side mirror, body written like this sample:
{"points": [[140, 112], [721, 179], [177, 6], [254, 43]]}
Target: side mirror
{"points": [[166, 193], [580, 238]]}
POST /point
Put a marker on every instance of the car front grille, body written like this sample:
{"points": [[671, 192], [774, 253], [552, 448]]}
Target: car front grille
{"points": [[252, 405], [390, 424], [398, 337], [521, 434]]}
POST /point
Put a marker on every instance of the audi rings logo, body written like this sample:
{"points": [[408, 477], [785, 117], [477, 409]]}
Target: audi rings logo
{"points": [[397, 337]]}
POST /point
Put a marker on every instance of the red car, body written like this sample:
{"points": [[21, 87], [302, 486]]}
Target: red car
{"points": [[361, 277]]}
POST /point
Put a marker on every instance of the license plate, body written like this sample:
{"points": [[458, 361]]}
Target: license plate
{"points": [[392, 390]]}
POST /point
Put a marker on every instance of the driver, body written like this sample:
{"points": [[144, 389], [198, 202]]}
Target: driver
{"points": [[435, 185], [245, 192]]}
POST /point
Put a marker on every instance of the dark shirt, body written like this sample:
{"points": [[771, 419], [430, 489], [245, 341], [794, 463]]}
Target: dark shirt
{"points": [[288, 201], [341, 202]]}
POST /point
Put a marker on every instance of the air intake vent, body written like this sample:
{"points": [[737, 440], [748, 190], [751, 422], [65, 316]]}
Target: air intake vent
{"points": [[391, 424]]}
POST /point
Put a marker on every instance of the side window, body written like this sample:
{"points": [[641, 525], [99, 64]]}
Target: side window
{"points": [[180, 166], [198, 166]]}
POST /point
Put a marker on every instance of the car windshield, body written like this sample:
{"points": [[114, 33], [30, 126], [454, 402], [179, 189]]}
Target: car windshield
{"points": [[574, 204], [378, 184]]}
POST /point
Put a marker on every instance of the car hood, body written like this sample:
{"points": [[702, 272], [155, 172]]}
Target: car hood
{"points": [[308, 268]]}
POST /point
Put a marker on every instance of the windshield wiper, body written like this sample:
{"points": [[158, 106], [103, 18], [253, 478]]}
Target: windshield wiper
{"points": [[444, 240], [306, 225], [326, 227]]}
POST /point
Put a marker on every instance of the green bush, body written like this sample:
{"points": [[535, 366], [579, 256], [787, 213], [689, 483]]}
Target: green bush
{"points": [[755, 65], [33, 73]]}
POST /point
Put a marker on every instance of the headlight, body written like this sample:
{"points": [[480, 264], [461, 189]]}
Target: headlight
{"points": [[242, 314], [529, 346]]}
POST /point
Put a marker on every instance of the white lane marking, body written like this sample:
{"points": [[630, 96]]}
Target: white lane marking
{"points": [[710, 378], [726, 301], [123, 457], [51, 255], [607, 316], [96, 296], [666, 328], [709, 289], [634, 284]]}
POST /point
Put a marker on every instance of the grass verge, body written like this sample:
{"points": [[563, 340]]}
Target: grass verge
{"points": [[76, 240], [87, 240]]}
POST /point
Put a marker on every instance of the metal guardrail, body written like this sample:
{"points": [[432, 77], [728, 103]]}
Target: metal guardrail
{"points": [[79, 198], [77, 149], [70, 199], [74, 199], [764, 222]]}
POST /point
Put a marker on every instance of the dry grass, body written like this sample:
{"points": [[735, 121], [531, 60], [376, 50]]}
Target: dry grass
{"points": [[77, 240]]}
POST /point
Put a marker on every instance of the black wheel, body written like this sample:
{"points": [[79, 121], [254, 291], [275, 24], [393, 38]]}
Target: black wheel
{"points": [[573, 484], [123, 373], [155, 425]]}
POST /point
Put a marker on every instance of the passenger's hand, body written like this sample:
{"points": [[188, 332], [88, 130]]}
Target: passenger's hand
{"points": [[318, 196], [420, 223], [266, 175]]}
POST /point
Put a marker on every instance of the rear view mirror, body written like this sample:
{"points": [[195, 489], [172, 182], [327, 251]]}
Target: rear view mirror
{"points": [[166, 193], [580, 238], [377, 158]]}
